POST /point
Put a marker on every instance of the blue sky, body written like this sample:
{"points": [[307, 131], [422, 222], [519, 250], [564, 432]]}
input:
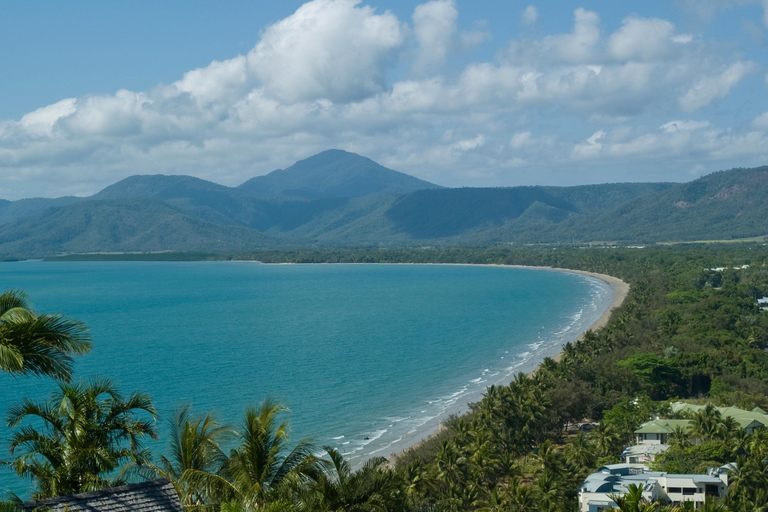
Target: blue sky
{"points": [[487, 93]]}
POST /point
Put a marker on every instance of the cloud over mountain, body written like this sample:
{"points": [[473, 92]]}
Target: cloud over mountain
{"points": [[410, 93]]}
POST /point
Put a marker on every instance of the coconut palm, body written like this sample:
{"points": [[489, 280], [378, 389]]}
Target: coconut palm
{"points": [[259, 465], [89, 431], [194, 448], [32, 343], [367, 489]]}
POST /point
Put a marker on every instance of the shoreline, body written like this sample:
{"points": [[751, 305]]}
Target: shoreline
{"points": [[620, 291]]}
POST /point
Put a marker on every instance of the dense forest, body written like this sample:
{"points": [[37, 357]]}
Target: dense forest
{"points": [[685, 331]]}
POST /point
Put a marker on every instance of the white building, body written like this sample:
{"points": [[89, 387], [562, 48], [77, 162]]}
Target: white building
{"points": [[595, 493]]}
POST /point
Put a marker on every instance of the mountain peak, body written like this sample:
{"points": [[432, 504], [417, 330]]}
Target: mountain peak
{"points": [[158, 186], [334, 173]]}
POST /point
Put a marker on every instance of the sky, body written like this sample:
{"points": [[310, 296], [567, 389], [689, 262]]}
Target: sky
{"points": [[459, 93]]}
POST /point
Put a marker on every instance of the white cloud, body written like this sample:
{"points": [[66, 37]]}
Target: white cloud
{"points": [[332, 75], [676, 126], [683, 38], [330, 49], [434, 25], [216, 82], [577, 46], [591, 148], [42, 120], [642, 39], [521, 140], [765, 12], [469, 144], [710, 88], [761, 121], [530, 15]]}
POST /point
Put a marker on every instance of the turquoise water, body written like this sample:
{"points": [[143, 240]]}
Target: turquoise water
{"points": [[367, 357]]}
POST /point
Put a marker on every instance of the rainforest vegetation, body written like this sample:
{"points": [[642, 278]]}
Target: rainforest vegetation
{"points": [[685, 331]]}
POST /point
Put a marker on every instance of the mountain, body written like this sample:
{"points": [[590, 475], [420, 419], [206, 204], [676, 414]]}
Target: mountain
{"points": [[334, 174], [722, 205], [508, 214], [342, 199], [13, 211], [134, 225]]}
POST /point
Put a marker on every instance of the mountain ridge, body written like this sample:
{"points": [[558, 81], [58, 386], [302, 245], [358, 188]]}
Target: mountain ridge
{"points": [[322, 202]]}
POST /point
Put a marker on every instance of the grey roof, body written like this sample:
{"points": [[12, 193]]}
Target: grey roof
{"points": [[644, 449], [154, 496]]}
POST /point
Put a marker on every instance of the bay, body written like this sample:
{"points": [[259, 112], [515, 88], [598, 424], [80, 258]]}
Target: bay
{"points": [[367, 357]]}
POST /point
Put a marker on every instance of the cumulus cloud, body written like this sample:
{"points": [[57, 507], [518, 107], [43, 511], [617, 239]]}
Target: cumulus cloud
{"points": [[530, 15], [434, 25], [642, 39], [331, 75], [676, 126], [42, 120], [761, 121], [334, 49], [710, 88], [579, 44], [591, 147]]}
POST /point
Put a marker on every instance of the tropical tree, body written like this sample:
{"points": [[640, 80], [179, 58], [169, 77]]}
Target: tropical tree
{"points": [[89, 430], [256, 468], [368, 489], [195, 447], [38, 344]]}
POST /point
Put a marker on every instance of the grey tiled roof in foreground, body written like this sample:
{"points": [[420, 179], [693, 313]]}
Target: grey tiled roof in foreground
{"points": [[154, 496]]}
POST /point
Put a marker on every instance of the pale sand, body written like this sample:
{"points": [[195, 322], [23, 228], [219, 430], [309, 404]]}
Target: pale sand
{"points": [[620, 291]]}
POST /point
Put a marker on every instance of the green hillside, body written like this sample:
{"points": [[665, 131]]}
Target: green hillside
{"points": [[339, 199], [137, 225], [334, 174]]}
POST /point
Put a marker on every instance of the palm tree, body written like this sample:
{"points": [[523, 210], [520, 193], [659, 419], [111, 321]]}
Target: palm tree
{"points": [[195, 448], [367, 489], [32, 343], [260, 464], [89, 431], [606, 439]]}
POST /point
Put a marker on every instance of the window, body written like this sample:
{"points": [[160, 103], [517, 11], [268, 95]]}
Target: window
{"points": [[689, 491], [677, 490], [712, 490]]}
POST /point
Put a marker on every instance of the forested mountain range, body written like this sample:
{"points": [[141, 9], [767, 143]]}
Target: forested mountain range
{"points": [[338, 198]]}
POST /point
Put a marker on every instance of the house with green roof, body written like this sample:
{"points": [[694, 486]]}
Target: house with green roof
{"points": [[653, 437]]}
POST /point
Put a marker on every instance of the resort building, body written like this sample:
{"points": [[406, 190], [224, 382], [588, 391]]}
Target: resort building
{"points": [[748, 420], [596, 491], [652, 438]]}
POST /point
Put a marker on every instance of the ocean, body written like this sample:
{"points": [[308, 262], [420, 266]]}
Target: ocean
{"points": [[367, 358]]}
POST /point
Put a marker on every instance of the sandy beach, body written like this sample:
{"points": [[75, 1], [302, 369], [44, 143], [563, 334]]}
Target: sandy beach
{"points": [[620, 290]]}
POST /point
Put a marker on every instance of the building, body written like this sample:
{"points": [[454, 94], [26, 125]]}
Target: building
{"points": [[154, 496], [596, 491], [652, 438]]}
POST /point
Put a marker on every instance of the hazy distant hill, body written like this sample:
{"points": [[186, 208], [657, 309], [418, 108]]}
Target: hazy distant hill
{"points": [[334, 174], [506, 213], [137, 225], [13, 211], [722, 205], [342, 199]]}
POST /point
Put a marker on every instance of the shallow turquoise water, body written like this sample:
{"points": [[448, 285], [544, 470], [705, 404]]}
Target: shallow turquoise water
{"points": [[366, 356]]}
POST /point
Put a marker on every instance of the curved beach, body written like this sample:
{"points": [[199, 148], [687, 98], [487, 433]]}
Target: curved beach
{"points": [[620, 291]]}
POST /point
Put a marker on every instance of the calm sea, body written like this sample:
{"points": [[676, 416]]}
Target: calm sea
{"points": [[367, 357]]}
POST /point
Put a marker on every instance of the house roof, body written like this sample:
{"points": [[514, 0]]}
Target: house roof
{"points": [[154, 496], [661, 426], [753, 418], [643, 449]]}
